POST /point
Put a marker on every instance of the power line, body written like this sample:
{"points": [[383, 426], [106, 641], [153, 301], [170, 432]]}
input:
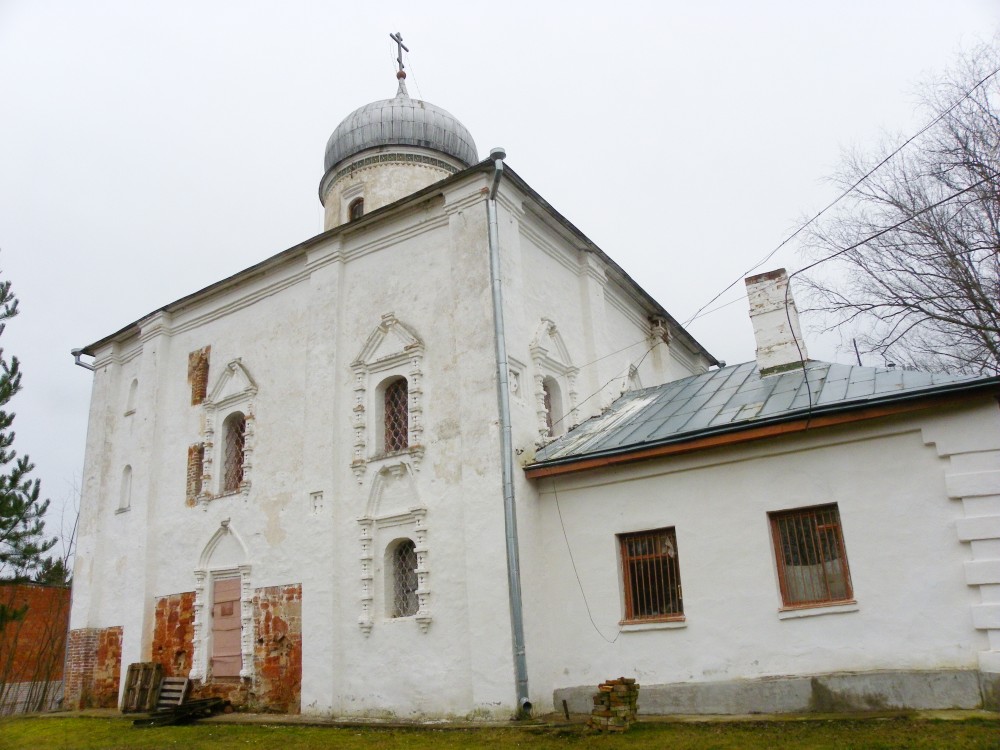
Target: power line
{"points": [[601, 389], [576, 573], [888, 229], [875, 236], [716, 309], [845, 193]]}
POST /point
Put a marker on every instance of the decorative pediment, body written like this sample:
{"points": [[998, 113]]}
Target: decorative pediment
{"points": [[391, 350], [388, 343], [547, 346], [234, 390], [551, 359], [393, 492], [224, 550], [224, 556], [234, 384]]}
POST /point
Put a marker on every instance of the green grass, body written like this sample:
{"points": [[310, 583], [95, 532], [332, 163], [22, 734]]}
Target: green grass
{"points": [[839, 734]]}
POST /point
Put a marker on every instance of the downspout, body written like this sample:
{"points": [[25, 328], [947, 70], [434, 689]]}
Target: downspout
{"points": [[506, 447]]}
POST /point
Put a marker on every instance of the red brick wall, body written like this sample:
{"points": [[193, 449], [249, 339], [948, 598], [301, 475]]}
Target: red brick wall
{"points": [[277, 681], [195, 468], [93, 668], [198, 374], [32, 648], [278, 647], [173, 633]]}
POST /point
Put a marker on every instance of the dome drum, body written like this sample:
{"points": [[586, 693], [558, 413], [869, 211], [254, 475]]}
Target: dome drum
{"points": [[388, 149]]}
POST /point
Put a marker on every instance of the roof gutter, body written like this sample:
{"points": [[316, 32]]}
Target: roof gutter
{"points": [[796, 421]]}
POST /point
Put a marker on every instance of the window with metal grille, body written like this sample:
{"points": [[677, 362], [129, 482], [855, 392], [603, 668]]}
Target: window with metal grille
{"points": [[404, 579], [652, 576], [356, 209], [812, 560], [235, 429], [397, 422]]}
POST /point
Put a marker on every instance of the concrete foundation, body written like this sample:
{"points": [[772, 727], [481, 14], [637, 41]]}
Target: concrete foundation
{"points": [[828, 693]]}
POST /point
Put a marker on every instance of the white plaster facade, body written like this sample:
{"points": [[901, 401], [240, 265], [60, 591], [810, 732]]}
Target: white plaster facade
{"points": [[300, 344], [918, 498]]}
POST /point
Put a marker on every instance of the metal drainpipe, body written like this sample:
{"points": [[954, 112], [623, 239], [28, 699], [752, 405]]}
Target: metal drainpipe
{"points": [[506, 447]]}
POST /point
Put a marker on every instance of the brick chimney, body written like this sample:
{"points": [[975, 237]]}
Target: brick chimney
{"points": [[776, 330]]}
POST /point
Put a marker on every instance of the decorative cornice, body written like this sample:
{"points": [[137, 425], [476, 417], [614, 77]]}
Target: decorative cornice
{"points": [[391, 157]]}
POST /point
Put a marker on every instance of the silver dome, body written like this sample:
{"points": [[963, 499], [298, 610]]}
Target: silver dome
{"points": [[401, 121]]}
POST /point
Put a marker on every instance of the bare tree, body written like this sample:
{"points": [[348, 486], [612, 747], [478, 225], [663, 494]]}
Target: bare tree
{"points": [[914, 250]]}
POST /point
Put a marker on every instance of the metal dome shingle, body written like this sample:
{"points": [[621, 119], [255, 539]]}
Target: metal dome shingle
{"points": [[400, 121]]}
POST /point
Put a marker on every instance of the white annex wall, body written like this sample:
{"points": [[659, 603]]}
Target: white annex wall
{"points": [[907, 564]]}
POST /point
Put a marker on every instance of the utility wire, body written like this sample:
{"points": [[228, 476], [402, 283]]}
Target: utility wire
{"points": [[576, 573], [876, 235], [601, 389], [720, 307], [880, 233], [845, 193]]}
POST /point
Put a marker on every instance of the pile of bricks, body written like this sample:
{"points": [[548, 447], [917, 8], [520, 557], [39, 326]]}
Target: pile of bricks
{"points": [[615, 706]]}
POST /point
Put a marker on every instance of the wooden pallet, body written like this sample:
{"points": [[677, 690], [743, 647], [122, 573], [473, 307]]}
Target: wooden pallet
{"points": [[142, 685], [173, 692]]}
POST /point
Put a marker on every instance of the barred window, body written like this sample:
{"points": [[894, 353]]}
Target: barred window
{"points": [[652, 576], [812, 560], [235, 430], [397, 422], [404, 579]]}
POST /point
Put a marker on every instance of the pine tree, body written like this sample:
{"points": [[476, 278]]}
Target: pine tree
{"points": [[22, 511]]}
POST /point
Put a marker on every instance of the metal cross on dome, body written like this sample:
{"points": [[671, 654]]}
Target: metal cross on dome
{"points": [[398, 39]]}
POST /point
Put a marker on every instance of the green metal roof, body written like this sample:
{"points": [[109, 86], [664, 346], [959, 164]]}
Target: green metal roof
{"points": [[735, 398]]}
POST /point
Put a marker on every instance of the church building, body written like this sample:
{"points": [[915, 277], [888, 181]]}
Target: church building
{"points": [[447, 459]]}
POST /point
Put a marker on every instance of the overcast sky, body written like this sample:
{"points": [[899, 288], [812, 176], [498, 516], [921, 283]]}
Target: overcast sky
{"points": [[148, 149]]}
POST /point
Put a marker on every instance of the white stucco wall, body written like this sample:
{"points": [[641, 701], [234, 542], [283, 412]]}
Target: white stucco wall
{"points": [[889, 478], [296, 325]]}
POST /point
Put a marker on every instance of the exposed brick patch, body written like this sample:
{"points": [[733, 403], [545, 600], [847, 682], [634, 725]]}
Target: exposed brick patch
{"points": [[198, 374], [236, 691], [173, 633], [276, 684], [195, 469], [278, 647], [93, 668]]}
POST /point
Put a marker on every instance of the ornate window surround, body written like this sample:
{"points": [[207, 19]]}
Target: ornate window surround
{"points": [[205, 575], [382, 529], [556, 363], [222, 401], [370, 370]]}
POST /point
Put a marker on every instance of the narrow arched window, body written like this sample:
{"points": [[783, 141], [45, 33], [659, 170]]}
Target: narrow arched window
{"points": [[552, 402], [235, 431], [356, 209], [133, 391], [125, 495], [404, 579], [397, 421]]}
